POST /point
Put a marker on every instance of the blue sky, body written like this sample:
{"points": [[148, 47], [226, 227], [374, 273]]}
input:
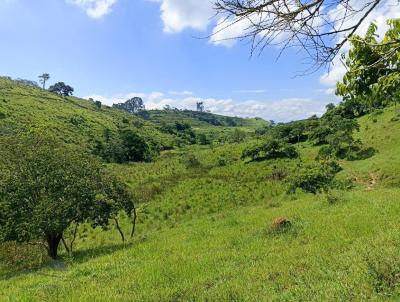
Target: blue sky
{"points": [[115, 49]]}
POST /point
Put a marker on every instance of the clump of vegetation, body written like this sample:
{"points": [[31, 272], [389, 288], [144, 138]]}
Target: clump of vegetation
{"points": [[271, 149], [278, 173], [124, 146], [133, 105], [314, 178], [384, 269], [62, 89], [183, 131], [191, 161]]}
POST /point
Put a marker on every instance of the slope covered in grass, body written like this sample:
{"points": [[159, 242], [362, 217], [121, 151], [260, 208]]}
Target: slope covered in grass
{"points": [[201, 119], [71, 119], [204, 233]]}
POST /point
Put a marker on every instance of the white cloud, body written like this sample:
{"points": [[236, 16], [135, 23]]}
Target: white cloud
{"points": [[185, 92], [279, 110], [94, 8], [178, 15]]}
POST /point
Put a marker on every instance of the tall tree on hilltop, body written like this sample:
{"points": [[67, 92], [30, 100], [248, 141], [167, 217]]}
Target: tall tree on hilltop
{"points": [[133, 105], [43, 78]]}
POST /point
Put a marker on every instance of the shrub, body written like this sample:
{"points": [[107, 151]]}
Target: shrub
{"points": [[125, 146], [191, 161], [278, 174], [314, 178], [221, 162], [273, 148], [384, 269]]}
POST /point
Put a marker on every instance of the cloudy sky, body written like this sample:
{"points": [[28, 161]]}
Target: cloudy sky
{"points": [[157, 49]]}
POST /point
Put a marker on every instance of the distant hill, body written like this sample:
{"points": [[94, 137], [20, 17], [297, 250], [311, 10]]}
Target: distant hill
{"points": [[201, 119]]}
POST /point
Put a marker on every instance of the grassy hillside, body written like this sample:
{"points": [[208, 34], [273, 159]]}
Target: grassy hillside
{"points": [[204, 233], [71, 119], [79, 121], [201, 119]]}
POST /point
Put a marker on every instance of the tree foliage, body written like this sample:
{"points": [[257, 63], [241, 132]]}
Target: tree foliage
{"points": [[270, 149], [314, 178], [61, 89], [43, 78], [133, 105], [373, 79], [124, 146], [45, 187]]}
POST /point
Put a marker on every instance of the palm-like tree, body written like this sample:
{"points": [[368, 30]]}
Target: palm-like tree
{"points": [[43, 79]]}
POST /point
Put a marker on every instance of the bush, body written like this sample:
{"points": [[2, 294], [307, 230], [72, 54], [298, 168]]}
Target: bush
{"points": [[384, 269], [191, 161], [221, 162], [278, 174], [271, 149], [314, 178], [125, 146]]}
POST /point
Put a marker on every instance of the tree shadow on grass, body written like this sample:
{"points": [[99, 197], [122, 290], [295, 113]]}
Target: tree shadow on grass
{"points": [[363, 154], [81, 256], [61, 264]]}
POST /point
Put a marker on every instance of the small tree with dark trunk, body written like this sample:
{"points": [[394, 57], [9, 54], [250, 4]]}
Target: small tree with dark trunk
{"points": [[46, 187]]}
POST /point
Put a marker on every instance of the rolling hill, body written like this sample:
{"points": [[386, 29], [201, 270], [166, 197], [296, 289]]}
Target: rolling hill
{"points": [[204, 231]]}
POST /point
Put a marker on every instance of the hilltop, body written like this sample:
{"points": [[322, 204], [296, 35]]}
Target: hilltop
{"points": [[201, 119]]}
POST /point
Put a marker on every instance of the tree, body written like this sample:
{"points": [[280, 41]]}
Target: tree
{"points": [[314, 178], [372, 79], [319, 27], [43, 78], [122, 147], [46, 187], [271, 149], [331, 124], [97, 104], [133, 105], [62, 89]]}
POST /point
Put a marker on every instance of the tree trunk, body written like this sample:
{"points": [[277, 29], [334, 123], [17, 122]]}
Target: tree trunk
{"points": [[133, 222], [53, 240], [119, 230]]}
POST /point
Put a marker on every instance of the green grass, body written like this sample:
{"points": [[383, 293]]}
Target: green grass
{"points": [[204, 233], [70, 119], [233, 256], [202, 119]]}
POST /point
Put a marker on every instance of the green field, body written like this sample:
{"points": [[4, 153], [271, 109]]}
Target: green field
{"points": [[205, 233]]}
